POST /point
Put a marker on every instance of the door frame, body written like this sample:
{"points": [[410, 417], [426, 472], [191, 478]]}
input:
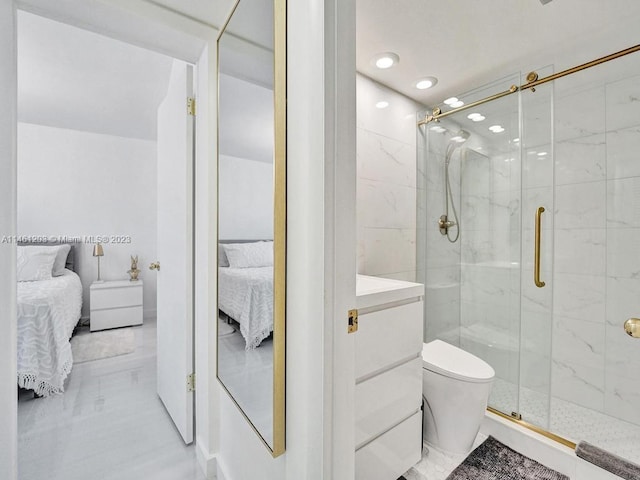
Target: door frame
{"points": [[164, 31]]}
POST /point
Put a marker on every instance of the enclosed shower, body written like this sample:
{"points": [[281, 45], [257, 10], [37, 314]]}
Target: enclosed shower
{"points": [[537, 270]]}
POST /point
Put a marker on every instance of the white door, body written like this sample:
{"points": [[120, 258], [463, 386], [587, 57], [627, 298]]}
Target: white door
{"points": [[175, 234]]}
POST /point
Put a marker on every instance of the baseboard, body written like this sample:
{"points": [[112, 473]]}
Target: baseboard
{"points": [[208, 462]]}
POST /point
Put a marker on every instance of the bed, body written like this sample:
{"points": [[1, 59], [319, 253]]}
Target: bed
{"points": [[48, 312], [245, 288]]}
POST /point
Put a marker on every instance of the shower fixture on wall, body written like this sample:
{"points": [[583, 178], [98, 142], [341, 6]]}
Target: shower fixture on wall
{"points": [[444, 224]]}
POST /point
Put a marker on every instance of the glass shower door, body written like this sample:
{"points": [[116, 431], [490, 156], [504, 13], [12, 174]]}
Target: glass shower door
{"points": [[538, 282], [470, 171]]}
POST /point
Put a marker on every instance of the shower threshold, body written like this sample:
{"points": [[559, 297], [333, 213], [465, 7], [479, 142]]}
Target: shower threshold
{"points": [[569, 423]]}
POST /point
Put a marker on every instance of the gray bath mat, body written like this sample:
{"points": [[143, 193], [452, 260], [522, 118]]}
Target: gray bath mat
{"points": [[610, 462], [494, 461]]}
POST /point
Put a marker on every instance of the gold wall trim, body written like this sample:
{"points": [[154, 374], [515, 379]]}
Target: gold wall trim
{"points": [[534, 428], [280, 226], [437, 114]]}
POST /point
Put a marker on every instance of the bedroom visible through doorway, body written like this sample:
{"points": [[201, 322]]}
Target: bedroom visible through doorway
{"points": [[105, 189]]}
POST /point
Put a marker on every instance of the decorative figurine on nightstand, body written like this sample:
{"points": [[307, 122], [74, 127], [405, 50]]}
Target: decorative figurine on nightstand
{"points": [[133, 273]]}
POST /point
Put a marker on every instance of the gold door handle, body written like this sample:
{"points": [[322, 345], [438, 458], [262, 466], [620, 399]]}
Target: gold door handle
{"points": [[155, 266], [632, 327], [536, 267]]}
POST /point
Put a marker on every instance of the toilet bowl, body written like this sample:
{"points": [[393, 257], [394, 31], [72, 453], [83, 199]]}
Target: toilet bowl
{"points": [[455, 390]]}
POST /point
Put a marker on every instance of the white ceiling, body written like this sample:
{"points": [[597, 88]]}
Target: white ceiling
{"points": [[467, 43], [72, 78]]}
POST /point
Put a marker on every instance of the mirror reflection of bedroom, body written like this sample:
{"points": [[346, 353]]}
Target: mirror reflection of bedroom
{"points": [[104, 257], [246, 216]]}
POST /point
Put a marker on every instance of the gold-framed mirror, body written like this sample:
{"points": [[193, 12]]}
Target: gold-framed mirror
{"points": [[251, 75]]}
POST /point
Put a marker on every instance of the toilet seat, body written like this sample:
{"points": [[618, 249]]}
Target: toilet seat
{"points": [[450, 361]]}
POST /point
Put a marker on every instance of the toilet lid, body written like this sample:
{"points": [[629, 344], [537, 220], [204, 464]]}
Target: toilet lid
{"points": [[450, 361]]}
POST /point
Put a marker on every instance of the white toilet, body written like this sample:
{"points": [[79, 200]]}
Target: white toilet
{"points": [[455, 390]]}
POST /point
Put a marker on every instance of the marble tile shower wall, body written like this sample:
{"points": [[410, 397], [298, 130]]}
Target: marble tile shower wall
{"points": [[386, 176], [597, 244], [438, 259], [490, 259]]}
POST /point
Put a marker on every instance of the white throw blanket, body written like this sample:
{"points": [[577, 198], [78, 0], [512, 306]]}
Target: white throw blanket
{"points": [[246, 295], [48, 311]]}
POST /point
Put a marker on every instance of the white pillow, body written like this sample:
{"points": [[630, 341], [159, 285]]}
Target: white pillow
{"points": [[35, 263], [61, 259], [249, 255]]}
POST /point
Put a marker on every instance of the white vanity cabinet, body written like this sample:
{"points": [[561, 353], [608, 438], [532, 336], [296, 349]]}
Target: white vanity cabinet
{"points": [[388, 371]]}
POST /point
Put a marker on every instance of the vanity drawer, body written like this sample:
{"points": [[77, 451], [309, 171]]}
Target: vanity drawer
{"points": [[393, 453], [386, 399], [386, 337]]}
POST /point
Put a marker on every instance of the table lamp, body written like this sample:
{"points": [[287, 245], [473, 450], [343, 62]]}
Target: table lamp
{"points": [[98, 251]]}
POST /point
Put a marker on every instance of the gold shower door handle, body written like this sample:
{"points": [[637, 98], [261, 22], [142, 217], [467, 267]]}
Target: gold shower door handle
{"points": [[536, 267]]}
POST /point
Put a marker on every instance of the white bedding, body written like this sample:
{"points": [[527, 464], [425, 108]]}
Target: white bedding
{"points": [[246, 295], [48, 311]]}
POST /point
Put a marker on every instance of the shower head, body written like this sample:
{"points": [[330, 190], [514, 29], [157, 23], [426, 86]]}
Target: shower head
{"points": [[460, 137]]}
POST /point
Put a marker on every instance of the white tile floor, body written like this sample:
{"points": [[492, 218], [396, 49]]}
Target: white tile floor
{"points": [[248, 376], [571, 421], [109, 424]]}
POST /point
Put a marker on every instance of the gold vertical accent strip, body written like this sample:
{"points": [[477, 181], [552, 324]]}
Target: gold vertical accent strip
{"points": [[280, 226], [536, 267], [531, 85], [534, 428]]}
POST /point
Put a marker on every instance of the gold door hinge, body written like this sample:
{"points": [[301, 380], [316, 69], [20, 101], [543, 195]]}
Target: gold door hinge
{"points": [[191, 382], [191, 106], [353, 321]]}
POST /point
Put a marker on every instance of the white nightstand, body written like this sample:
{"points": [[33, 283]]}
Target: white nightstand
{"points": [[115, 304]]}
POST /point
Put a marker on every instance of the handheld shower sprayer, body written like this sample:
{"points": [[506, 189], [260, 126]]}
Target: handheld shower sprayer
{"points": [[444, 224]]}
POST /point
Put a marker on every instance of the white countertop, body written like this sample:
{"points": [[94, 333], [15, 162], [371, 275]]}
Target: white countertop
{"points": [[372, 291]]}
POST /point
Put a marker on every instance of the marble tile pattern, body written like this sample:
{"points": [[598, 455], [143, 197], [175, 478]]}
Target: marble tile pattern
{"points": [[386, 182], [597, 239], [109, 424]]}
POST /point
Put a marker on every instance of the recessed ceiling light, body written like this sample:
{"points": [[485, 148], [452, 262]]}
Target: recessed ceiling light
{"points": [[542, 154], [438, 129], [458, 139], [451, 100], [385, 60], [496, 128], [382, 104], [457, 104], [516, 140], [426, 82], [476, 117]]}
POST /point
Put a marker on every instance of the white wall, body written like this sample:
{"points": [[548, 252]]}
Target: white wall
{"points": [[8, 384], [246, 199], [386, 143], [78, 184]]}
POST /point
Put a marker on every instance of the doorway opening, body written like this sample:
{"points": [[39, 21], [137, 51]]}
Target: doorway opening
{"points": [[105, 166]]}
